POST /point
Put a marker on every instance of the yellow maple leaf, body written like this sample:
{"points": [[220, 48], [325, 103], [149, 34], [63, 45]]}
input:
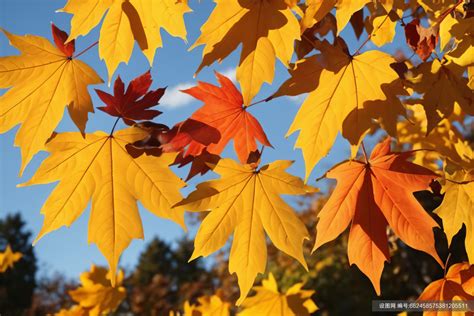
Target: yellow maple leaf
{"points": [[382, 29], [127, 21], [345, 93], [345, 9], [96, 294], [387, 4], [189, 310], [8, 259], [457, 207], [42, 81], [315, 11], [443, 88], [463, 52], [434, 8], [266, 30], [75, 310], [246, 201], [98, 167], [268, 301], [444, 144], [206, 306], [444, 30], [212, 306]]}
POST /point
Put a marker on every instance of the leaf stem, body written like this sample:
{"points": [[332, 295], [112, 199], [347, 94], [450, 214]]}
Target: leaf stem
{"points": [[365, 153], [115, 125], [448, 11], [370, 36], [446, 264], [86, 49], [260, 101]]}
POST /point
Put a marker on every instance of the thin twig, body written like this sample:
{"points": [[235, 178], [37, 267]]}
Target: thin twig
{"points": [[85, 50]]}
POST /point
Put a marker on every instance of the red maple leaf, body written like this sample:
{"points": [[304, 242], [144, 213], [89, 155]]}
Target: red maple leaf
{"points": [[135, 103], [195, 135], [189, 138], [200, 164], [60, 38], [201, 138], [422, 40]]}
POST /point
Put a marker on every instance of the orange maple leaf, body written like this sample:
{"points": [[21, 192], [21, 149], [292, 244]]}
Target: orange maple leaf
{"points": [[456, 285], [372, 195], [223, 109]]}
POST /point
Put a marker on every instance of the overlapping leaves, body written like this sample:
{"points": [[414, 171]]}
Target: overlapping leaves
{"points": [[352, 93], [246, 202], [370, 196], [265, 29], [269, 301], [126, 22], [97, 167], [42, 81], [345, 93], [457, 285], [96, 296]]}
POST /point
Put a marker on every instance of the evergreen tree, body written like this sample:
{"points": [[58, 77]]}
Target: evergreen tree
{"points": [[18, 283]]}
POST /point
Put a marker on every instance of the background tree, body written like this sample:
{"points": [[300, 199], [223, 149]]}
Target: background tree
{"points": [[18, 283], [163, 279], [52, 294]]}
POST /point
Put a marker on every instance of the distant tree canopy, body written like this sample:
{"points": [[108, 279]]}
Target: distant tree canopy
{"points": [[18, 283], [163, 279], [52, 293]]}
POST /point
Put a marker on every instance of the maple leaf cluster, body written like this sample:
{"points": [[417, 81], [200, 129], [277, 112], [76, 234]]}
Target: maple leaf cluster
{"points": [[96, 296], [418, 99], [455, 286], [266, 301]]}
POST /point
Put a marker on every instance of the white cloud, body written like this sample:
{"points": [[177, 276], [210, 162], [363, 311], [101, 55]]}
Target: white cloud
{"points": [[230, 73], [174, 98]]}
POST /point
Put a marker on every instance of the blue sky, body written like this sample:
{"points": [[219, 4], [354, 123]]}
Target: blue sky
{"points": [[66, 250]]}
